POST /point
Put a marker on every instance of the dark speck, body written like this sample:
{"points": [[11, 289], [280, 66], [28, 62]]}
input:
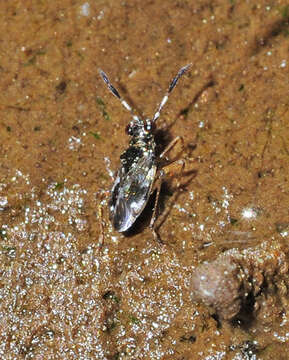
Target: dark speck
{"points": [[189, 338], [110, 295], [233, 221], [61, 87]]}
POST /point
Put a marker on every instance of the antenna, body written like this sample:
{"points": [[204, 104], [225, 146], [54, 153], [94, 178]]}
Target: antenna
{"points": [[116, 94], [171, 87]]}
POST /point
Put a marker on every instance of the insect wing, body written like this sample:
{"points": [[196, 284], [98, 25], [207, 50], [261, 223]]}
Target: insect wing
{"points": [[130, 193]]}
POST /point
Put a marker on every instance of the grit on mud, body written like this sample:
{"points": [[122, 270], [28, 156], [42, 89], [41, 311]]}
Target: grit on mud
{"points": [[218, 286]]}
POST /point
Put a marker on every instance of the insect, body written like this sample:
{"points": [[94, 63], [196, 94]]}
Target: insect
{"points": [[139, 174]]}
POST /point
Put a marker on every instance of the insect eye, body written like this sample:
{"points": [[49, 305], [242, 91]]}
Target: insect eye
{"points": [[128, 129], [149, 126]]}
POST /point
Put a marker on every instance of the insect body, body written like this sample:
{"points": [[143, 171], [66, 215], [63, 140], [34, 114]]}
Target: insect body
{"points": [[137, 176]]}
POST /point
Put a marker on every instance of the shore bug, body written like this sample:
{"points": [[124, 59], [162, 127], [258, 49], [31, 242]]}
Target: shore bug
{"points": [[139, 174]]}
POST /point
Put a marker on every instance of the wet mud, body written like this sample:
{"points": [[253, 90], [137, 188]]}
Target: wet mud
{"points": [[217, 288]]}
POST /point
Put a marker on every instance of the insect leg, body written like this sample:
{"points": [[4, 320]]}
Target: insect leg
{"points": [[157, 186], [116, 94], [108, 169], [176, 167], [172, 144], [100, 217], [168, 170], [171, 87], [104, 194]]}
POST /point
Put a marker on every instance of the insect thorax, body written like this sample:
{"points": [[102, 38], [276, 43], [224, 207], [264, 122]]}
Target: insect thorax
{"points": [[138, 148]]}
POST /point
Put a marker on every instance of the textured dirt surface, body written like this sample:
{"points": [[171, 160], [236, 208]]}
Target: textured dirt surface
{"points": [[238, 280], [68, 293]]}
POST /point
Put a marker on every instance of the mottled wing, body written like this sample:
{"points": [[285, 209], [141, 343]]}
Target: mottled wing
{"points": [[131, 192]]}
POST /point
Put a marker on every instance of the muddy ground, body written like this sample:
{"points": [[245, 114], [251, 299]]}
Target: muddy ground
{"points": [[66, 292]]}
